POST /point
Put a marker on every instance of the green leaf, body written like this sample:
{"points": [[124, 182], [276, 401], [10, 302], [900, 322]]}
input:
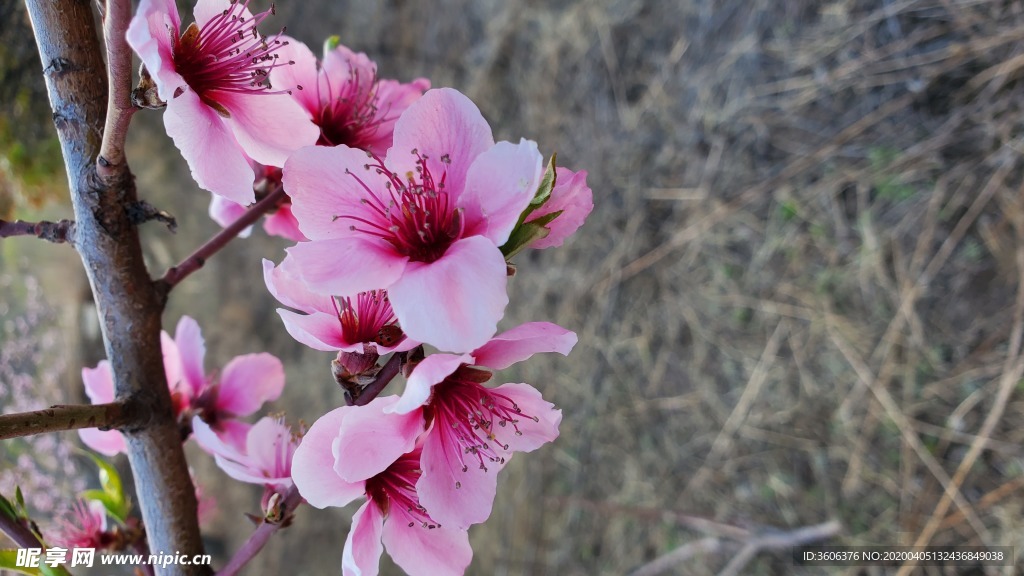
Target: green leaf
{"points": [[331, 43], [19, 498], [112, 496], [118, 509], [7, 509], [110, 480], [8, 559], [526, 233], [547, 184]]}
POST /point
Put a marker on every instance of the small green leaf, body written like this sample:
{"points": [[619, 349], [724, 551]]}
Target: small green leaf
{"points": [[547, 184], [20, 499], [112, 496], [118, 509], [110, 480], [7, 509], [9, 559], [527, 233], [331, 43]]}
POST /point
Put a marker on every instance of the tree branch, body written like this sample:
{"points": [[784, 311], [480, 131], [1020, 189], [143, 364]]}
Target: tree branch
{"points": [[18, 532], [128, 305], [120, 108], [58, 418], [197, 259], [386, 374], [263, 532], [56, 232]]}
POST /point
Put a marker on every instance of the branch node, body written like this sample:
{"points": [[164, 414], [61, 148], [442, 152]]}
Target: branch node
{"points": [[141, 212]]}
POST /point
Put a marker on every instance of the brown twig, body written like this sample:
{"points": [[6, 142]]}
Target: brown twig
{"points": [[263, 532], [57, 232], [197, 259], [59, 418], [386, 374], [120, 109]]}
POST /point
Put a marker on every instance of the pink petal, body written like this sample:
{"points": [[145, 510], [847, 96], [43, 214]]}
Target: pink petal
{"points": [[370, 440], [420, 551], [283, 224], [213, 155], [322, 184], [267, 449], [192, 350], [534, 433], [500, 184], [431, 371], [348, 266], [151, 34], [109, 442], [393, 98], [363, 547], [247, 382], [453, 303], [523, 341], [233, 433], [301, 73], [442, 123], [453, 497], [313, 464], [205, 10], [286, 285], [319, 331], [176, 381], [269, 127], [99, 383], [212, 444], [225, 212], [574, 198]]}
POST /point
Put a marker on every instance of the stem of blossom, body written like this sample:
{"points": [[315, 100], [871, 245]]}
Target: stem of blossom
{"points": [[197, 259], [58, 418], [386, 374], [116, 17], [56, 232], [128, 305], [263, 532], [19, 532]]}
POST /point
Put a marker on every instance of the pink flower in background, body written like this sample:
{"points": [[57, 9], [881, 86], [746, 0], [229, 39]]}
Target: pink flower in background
{"points": [[472, 430], [347, 100], [214, 77], [265, 458], [425, 223], [358, 324], [85, 528], [244, 385], [573, 198], [335, 464]]}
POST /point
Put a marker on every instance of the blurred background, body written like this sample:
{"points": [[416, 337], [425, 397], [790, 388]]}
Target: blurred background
{"points": [[799, 296]]}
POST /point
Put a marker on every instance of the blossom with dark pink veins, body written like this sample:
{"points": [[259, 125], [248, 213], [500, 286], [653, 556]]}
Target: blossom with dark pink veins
{"points": [[245, 384], [350, 104], [265, 458], [424, 223], [215, 78], [337, 463], [363, 323], [85, 528], [472, 430], [573, 198]]}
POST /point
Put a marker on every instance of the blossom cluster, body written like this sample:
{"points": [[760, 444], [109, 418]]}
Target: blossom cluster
{"points": [[405, 214]]}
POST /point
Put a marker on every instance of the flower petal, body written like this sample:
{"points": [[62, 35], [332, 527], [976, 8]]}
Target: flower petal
{"points": [[393, 98], [500, 184], [371, 439], [151, 34], [247, 382], [267, 448], [283, 224], [347, 266], [440, 551], [225, 212], [286, 285], [363, 547], [523, 341], [192, 351], [443, 123], [574, 198], [213, 155], [212, 444], [269, 127], [323, 183], [533, 433], [431, 371], [319, 331], [301, 72], [109, 443], [313, 464], [99, 383], [454, 497], [453, 303]]}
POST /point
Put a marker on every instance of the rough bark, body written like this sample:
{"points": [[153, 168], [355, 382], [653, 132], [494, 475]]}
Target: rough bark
{"points": [[128, 303]]}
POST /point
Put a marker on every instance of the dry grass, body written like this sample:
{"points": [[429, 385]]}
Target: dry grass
{"points": [[799, 297]]}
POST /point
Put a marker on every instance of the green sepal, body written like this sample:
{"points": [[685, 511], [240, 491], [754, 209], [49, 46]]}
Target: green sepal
{"points": [[527, 233], [112, 496], [7, 509], [547, 184], [331, 43]]}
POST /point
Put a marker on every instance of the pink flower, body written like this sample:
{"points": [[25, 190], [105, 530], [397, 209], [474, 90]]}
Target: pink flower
{"points": [[472, 430], [573, 198], [265, 458], [345, 97], [358, 324], [392, 516], [279, 222], [86, 528], [244, 385], [214, 77], [425, 223]]}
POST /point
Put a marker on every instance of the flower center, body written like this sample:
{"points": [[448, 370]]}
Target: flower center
{"points": [[467, 415], [369, 317], [228, 54], [416, 216], [394, 492], [348, 113]]}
